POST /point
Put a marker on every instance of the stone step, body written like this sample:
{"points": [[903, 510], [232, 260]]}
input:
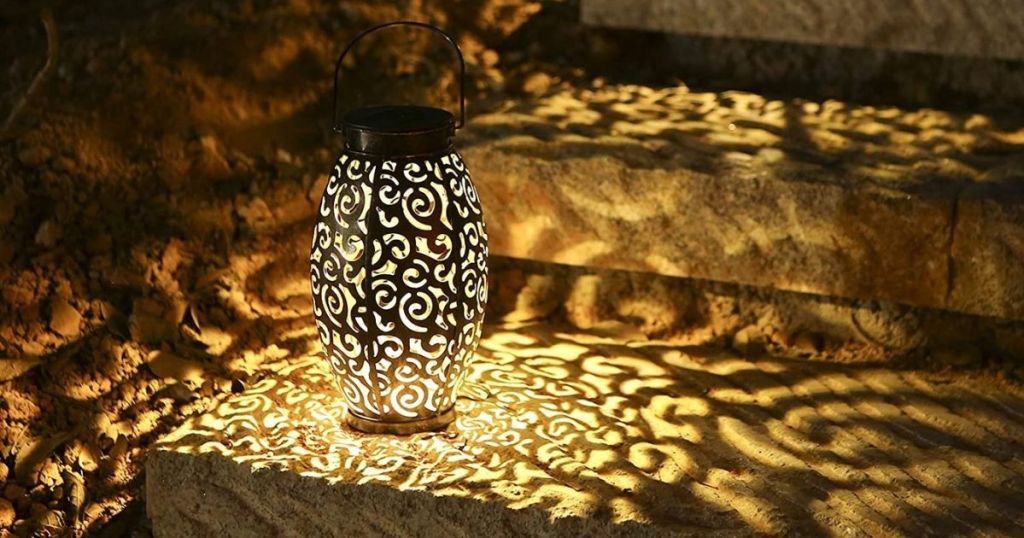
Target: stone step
{"points": [[980, 28], [918, 207], [564, 433]]}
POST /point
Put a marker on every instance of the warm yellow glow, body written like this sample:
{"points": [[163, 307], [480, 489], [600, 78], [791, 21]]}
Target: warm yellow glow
{"points": [[577, 424]]}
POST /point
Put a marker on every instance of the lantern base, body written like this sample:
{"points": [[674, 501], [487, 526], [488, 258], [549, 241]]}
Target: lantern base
{"points": [[436, 422]]}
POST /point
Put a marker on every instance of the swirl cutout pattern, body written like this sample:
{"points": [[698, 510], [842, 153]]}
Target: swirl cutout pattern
{"points": [[398, 273]]}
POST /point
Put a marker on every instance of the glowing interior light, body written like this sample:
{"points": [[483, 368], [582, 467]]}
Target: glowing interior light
{"points": [[399, 283]]}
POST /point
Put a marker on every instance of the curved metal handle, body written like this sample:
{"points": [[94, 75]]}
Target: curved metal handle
{"points": [[364, 33]]}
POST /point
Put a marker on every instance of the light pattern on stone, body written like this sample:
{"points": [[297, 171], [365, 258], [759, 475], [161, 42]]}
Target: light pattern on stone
{"points": [[691, 441], [399, 341]]}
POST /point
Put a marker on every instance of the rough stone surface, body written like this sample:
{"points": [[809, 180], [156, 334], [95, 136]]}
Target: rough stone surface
{"points": [[988, 253], [600, 433], [913, 207], [64, 318], [985, 28]]}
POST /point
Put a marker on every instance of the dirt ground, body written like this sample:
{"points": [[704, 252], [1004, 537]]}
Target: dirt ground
{"points": [[156, 193]]}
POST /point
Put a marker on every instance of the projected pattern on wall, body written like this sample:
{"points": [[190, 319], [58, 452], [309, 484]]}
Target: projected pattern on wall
{"points": [[426, 289]]}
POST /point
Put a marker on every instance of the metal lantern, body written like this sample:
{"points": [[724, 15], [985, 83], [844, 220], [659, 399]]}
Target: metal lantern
{"points": [[399, 262]]}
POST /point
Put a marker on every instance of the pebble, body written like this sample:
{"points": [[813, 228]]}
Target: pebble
{"points": [[51, 519], [86, 455], [748, 340], [76, 493], [807, 343], [7, 513], [149, 329], [64, 318], [13, 369], [93, 511], [256, 214], [48, 234], [165, 364], [49, 474], [13, 492], [212, 163], [34, 155]]}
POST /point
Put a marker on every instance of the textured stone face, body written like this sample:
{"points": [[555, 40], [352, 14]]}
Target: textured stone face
{"points": [[830, 199], [988, 253], [563, 433], [987, 28]]}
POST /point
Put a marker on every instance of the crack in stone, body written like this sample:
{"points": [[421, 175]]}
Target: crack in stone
{"points": [[954, 218]]}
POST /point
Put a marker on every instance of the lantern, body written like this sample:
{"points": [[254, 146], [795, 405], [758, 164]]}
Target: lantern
{"points": [[398, 265]]}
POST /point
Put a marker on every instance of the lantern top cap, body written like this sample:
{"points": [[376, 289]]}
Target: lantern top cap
{"points": [[398, 130], [398, 119]]}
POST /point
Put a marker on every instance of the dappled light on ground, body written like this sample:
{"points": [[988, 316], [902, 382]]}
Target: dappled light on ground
{"points": [[679, 438]]}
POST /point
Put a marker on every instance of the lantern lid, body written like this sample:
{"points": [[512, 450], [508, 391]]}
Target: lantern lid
{"points": [[398, 130]]}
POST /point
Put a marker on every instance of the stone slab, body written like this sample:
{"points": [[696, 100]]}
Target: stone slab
{"points": [[981, 28], [830, 199], [603, 433]]}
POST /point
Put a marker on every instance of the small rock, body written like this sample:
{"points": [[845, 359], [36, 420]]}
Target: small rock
{"points": [[48, 234], [50, 519], [7, 513], [537, 83], [49, 474], [13, 369], [120, 448], [87, 455], [76, 494], [256, 214], [211, 162], [22, 527], [64, 319], [34, 155], [618, 330], [149, 329], [93, 512], [177, 392], [748, 339], [808, 343], [13, 492], [168, 365], [33, 453]]}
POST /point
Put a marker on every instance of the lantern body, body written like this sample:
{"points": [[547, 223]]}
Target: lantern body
{"points": [[399, 279]]}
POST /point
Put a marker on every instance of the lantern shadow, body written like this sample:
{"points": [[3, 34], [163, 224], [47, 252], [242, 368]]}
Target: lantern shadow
{"points": [[679, 438]]}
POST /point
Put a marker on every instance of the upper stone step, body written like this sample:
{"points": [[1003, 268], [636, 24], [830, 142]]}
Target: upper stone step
{"points": [[921, 207], [982, 28]]}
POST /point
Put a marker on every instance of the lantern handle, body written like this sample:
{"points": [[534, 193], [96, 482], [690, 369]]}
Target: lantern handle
{"points": [[364, 33]]}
